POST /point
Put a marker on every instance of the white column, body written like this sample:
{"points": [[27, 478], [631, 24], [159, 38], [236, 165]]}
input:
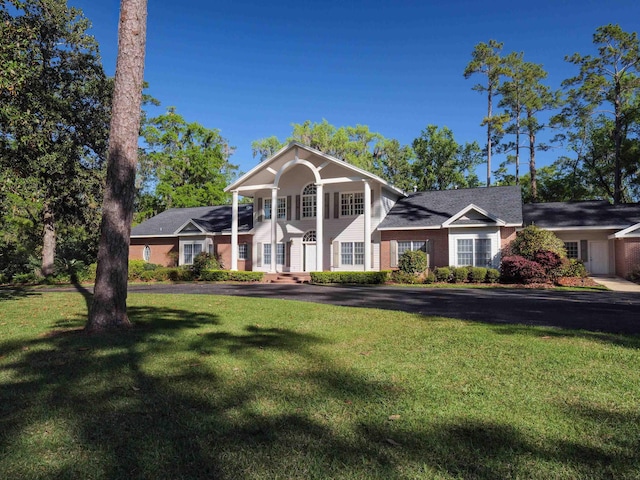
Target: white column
{"points": [[367, 226], [274, 227], [319, 225], [234, 232]]}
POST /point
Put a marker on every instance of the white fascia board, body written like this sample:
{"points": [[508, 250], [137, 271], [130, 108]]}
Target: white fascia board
{"points": [[202, 230], [472, 225], [434, 227], [170, 235], [573, 229], [481, 211], [264, 165], [626, 231]]}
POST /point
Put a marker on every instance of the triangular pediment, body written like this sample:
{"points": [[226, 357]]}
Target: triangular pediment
{"points": [[190, 227], [472, 216]]}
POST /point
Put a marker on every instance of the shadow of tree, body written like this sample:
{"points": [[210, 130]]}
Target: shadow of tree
{"points": [[13, 293], [118, 415]]}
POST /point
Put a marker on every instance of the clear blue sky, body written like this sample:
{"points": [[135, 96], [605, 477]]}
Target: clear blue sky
{"points": [[252, 68]]}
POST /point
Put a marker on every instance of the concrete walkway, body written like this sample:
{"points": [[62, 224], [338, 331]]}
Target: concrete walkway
{"points": [[617, 284]]}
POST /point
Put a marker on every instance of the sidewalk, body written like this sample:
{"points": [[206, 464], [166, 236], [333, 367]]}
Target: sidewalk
{"points": [[617, 284]]}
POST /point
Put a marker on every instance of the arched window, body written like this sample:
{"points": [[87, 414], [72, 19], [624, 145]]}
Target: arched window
{"points": [[309, 201], [309, 237], [146, 253]]}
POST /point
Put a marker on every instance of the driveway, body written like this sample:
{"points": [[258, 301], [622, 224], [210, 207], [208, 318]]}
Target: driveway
{"points": [[611, 312]]}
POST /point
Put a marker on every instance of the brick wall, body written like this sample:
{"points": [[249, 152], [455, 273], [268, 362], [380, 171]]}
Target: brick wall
{"points": [[627, 255], [507, 235], [164, 251], [222, 247], [440, 239]]}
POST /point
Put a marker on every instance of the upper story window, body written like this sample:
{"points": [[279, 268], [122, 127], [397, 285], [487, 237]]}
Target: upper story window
{"points": [[351, 204], [282, 208], [309, 201]]}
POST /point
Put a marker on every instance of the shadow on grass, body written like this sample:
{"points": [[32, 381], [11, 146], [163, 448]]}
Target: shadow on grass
{"points": [[14, 293], [136, 405]]}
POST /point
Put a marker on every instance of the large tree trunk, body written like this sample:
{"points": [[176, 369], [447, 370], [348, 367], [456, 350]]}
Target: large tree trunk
{"points": [[48, 241], [109, 308]]}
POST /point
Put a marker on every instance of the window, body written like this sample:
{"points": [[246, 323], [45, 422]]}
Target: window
{"points": [[282, 208], [351, 204], [242, 251], [352, 253], [266, 257], [309, 237], [474, 251], [191, 250], [280, 253], [411, 245], [146, 253], [572, 249], [309, 201]]}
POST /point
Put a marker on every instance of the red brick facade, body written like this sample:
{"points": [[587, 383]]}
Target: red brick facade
{"points": [[439, 240], [222, 249], [627, 255], [164, 251]]}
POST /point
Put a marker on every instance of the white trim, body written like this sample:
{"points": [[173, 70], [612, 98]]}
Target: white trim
{"points": [[569, 229], [626, 231], [481, 211], [172, 235], [352, 192], [193, 222], [493, 236], [328, 181], [440, 227]]}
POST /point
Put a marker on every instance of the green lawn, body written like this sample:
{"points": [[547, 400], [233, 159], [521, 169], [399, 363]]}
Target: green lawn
{"points": [[244, 388]]}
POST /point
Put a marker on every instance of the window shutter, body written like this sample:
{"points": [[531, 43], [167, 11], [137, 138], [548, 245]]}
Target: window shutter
{"points": [[289, 207], [297, 207], [336, 205], [259, 255], [393, 253], [260, 212], [336, 254], [584, 250], [327, 199], [248, 252]]}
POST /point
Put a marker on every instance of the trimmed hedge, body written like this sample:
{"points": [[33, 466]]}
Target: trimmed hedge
{"points": [[477, 274], [443, 274], [226, 275], [359, 278]]}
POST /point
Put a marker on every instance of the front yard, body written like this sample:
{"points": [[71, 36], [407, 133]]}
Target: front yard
{"points": [[231, 388]]}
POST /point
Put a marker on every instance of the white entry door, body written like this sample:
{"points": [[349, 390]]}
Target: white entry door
{"points": [[310, 257], [598, 258]]}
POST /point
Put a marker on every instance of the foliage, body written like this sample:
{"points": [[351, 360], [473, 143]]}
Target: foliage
{"points": [[459, 274], [399, 276], [443, 274], [54, 114], [205, 261], [441, 163], [493, 275], [573, 267], [533, 239], [634, 274], [518, 269], [413, 262], [429, 278], [477, 274], [350, 277]]}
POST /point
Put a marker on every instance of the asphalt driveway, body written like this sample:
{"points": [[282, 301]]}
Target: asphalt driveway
{"points": [[604, 311]]}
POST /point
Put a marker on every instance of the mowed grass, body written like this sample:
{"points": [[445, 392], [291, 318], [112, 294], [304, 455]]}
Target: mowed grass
{"points": [[246, 388]]}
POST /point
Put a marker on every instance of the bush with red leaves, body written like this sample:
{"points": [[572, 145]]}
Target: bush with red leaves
{"points": [[517, 269]]}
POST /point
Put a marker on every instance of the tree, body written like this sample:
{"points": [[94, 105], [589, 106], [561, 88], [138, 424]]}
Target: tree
{"points": [[486, 61], [54, 109], [109, 307], [266, 147], [607, 84], [183, 164], [441, 163]]}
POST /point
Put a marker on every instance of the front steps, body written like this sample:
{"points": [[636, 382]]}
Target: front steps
{"points": [[287, 278]]}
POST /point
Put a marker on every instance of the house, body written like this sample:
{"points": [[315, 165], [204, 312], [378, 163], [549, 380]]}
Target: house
{"points": [[606, 237], [310, 211]]}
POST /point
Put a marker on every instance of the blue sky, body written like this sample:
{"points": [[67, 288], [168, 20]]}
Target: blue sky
{"points": [[252, 68]]}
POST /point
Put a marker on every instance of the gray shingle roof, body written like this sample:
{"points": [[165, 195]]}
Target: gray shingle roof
{"points": [[212, 219], [593, 213], [433, 208]]}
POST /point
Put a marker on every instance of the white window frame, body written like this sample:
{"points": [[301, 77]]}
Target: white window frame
{"points": [[309, 201], [577, 243], [243, 251], [282, 208], [192, 251], [352, 253], [266, 254], [494, 244], [349, 207], [413, 246], [146, 253]]}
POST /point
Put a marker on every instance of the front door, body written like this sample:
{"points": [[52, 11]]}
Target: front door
{"points": [[598, 258], [310, 257]]}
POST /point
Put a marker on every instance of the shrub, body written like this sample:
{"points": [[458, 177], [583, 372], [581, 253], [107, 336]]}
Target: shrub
{"points": [[214, 275], [136, 267], [493, 275], [147, 275], [350, 277], [413, 261], [400, 276], [533, 239], [460, 274], [161, 274], [204, 261], [180, 274], [477, 274], [429, 278], [634, 274], [443, 274], [90, 275], [551, 262], [23, 278], [517, 269], [246, 276]]}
